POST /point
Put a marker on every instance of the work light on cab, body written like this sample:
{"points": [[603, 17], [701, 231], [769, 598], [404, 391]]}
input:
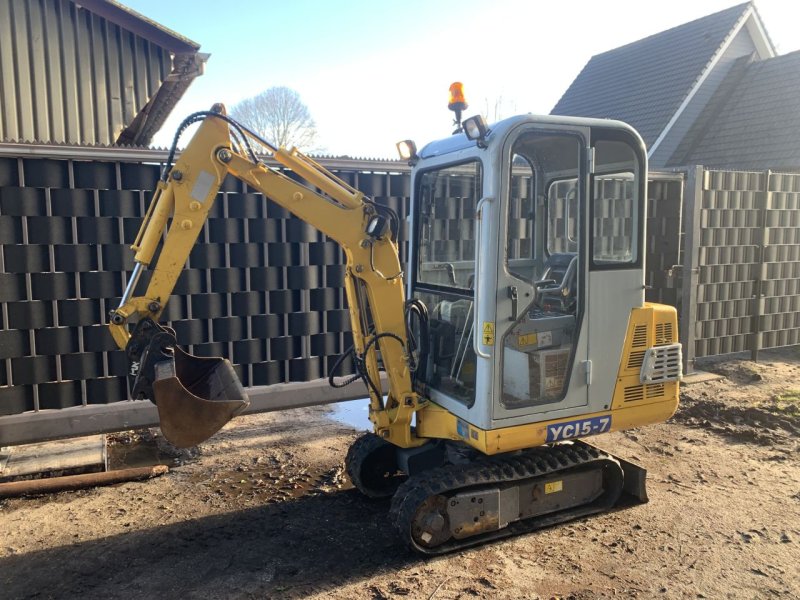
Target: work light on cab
{"points": [[476, 129], [407, 150]]}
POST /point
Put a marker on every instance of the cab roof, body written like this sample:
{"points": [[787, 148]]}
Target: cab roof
{"points": [[499, 131]]}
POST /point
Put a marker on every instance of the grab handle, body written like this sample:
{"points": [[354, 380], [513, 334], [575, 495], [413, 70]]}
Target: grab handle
{"points": [[478, 276]]}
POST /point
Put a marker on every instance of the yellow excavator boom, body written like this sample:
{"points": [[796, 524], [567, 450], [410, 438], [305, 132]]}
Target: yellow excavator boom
{"points": [[181, 204]]}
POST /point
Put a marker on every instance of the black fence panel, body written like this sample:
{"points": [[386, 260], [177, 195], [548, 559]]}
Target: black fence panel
{"points": [[260, 287]]}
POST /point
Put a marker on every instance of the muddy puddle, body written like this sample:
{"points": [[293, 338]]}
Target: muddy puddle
{"points": [[269, 480], [142, 449]]}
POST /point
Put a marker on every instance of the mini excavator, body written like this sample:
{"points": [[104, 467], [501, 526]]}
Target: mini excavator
{"points": [[519, 327]]}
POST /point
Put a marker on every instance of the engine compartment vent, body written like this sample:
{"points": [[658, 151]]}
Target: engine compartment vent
{"points": [[633, 393], [664, 334], [640, 336], [636, 359]]}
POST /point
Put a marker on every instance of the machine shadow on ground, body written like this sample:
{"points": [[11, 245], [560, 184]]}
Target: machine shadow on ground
{"points": [[287, 549]]}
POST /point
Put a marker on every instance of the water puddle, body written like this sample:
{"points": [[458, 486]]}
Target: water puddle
{"points": [[353, 412]]}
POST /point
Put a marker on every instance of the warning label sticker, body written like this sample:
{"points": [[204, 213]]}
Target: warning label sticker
{"points": [[488, 333], [553, 487], [545, 339]]}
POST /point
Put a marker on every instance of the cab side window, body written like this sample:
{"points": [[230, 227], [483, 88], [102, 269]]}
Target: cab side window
{"points": [[614, 206]]}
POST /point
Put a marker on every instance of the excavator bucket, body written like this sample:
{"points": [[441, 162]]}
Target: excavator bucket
{"points": [[195, 396]]}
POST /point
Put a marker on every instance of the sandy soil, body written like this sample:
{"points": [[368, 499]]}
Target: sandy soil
{"points": [[263, 511]]}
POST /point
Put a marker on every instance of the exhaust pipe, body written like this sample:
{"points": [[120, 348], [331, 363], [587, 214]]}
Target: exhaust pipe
{"points": [[195, 396]]}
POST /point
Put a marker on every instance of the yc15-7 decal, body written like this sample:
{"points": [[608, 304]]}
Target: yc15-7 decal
{"points": [[578, 428]]}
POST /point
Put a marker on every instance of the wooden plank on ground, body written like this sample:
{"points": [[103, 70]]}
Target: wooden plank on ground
{"points": [[700, 377], [76, 453]]}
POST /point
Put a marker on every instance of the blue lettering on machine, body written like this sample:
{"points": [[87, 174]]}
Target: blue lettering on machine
{"points": [[578, 428]]}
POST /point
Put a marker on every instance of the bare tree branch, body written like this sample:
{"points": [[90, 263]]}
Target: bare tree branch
{"points": [[502, 108], [278, 115]]}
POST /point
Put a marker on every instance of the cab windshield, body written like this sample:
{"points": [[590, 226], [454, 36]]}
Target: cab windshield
{"points": [[445, 276], [448, 198]]}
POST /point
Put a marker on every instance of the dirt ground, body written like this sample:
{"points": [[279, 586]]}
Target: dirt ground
{"points": [[263, 511]]}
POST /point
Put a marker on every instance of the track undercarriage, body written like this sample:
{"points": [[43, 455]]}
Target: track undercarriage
{"points": [[470, 498]]}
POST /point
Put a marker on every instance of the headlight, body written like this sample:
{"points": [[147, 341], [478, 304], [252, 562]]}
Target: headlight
{"points": [[407, 150], [475, 128]]}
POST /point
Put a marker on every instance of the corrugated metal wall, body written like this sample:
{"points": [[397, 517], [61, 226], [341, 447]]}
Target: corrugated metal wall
{"points": [[67, 75]]}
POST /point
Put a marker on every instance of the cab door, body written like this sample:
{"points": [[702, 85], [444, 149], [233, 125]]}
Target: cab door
{"points": [[540, 332], [616, 216]]}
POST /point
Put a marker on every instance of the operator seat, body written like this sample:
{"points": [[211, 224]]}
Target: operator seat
{"points": [[557, 289], [556, 265]]}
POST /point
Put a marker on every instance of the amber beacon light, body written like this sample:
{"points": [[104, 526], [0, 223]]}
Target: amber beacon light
{"points": [[458, 103]]}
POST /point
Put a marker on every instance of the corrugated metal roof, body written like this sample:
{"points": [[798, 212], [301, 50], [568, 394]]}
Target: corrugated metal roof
{"points": [[754, 122], [92, 72], [644, 83], [140, 25]]}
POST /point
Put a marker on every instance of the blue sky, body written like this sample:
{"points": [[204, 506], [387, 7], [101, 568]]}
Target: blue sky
{"points": [[373, 73]]}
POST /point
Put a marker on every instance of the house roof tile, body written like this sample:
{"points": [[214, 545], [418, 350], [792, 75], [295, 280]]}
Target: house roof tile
{"points": [[644, 82], [756, 125]]}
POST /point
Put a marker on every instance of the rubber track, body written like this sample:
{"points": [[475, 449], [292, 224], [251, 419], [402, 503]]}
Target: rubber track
{"points": [[490, 471], [356, 454]]}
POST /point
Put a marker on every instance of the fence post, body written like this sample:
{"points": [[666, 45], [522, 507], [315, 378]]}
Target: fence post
{"points": [[693, 202], [756, 338]]}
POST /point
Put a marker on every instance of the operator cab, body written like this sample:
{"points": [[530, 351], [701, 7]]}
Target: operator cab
{"points": [[527, 252]]}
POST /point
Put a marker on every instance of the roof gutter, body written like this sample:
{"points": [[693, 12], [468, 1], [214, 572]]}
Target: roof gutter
{"points": [[139, 24]]}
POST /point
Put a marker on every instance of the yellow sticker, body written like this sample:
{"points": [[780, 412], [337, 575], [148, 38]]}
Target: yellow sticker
{"points": [[553, 486], [488, 333], [527, 339]]}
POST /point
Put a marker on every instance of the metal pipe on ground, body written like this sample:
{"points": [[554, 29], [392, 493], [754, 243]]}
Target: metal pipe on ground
{"points": [[75, 482]]}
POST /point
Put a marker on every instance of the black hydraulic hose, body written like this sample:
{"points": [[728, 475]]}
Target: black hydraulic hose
{"points": [[242, 130], [416, 307], [372, 342], [332, 373], [361, 372], [361, 364]]}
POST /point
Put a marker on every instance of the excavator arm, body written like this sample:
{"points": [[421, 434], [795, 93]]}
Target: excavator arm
{"points": [[197, 396]]}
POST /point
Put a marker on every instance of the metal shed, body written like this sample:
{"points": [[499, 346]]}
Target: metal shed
{"points": [[88, 73]]}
